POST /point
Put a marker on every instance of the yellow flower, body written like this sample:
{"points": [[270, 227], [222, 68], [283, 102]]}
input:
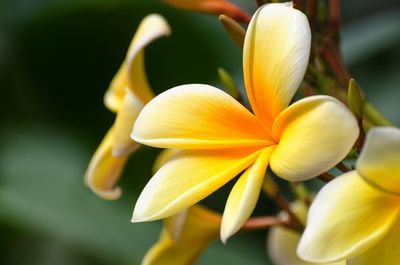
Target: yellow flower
{"points": [[220, 138], [129, 91], [356, 216], [184, 237], [282, 242], [216, 7]]}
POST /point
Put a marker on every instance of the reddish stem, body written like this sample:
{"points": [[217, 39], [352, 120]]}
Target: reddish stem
{"points": [[264, 222]]}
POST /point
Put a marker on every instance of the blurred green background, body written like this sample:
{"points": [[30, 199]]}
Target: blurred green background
{"points": [[57, 58]]}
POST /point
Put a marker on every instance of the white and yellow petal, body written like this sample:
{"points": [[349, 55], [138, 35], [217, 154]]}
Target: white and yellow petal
{"points": [[198, 117], [104, 170], [383, 253], [347, 218], [126, 116], [379, 161], [314, 135], [243, 198], [275, 58], [282, 242], [197, 226], [132, 73], [188, 178]]}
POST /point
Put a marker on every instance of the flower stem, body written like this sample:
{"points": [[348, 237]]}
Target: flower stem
{"points": [[342, 167], [374, 116], [326, 177], [264, 222]]}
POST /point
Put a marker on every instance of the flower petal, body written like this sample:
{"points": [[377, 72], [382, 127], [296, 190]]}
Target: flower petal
{"points": [[282, 242], [132, 73], [275, 58], [379, 161], [186, 179], [314, 134], [105, 170], [384, 253], [126, 117], [343, 220], [199, 228], [197, 117], [243, 198]]}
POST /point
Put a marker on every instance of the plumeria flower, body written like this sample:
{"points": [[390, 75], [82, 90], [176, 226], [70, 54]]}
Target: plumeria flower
{"points": [[282, 242], [216, 7], [129, 91], [220, 138], [356, 216], [184, 237]]}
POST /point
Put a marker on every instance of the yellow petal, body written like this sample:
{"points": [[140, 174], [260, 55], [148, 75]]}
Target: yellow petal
{"points": [[275, 58], [199, 228], [243, 198], [116, 91], [126, 117], [105, 170], [384, 253], [197, 117], [188, 178], [379, 161], [163, 157], [314, 134], [132, 73], [282, 242], [347, 217]]}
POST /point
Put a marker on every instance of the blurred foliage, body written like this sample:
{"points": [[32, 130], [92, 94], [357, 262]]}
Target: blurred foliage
{"points": [[56, 60]]}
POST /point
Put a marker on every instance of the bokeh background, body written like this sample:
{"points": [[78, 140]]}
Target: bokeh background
{"points": [[57, 58]]}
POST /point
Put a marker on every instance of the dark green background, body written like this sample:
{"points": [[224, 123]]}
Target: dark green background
{"points": [[56, 60]]}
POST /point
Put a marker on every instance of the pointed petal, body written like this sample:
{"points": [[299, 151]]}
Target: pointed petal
{"points": [[132, 73], [188, 178], [282, 242], [275, 58], [243, 198], [379, 161], [197, 117], [342, 222], [384, 253], [314, 134], [200, 228], [126, 117], [105, 170]]}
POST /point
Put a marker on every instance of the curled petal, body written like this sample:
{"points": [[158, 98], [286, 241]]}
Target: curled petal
{"points": [[198, 228], [243, 198], [314, 135], [105, 170], [126, 116], [379, 161], [197, 117], [343, 220], [275, 58], [132, 73], [188, 178]]}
